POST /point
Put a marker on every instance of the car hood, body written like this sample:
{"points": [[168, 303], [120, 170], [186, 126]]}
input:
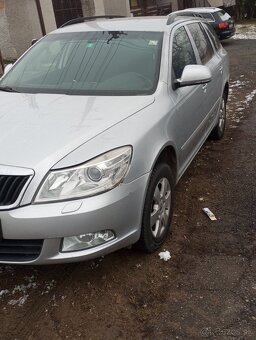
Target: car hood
{"points": [[44, 128]]}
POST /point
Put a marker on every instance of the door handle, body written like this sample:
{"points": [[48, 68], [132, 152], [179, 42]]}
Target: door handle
{"points": [[221, 69]]}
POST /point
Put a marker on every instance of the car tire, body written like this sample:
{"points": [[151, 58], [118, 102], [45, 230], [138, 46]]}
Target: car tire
{"points": [[219, 129], [158, 209]]}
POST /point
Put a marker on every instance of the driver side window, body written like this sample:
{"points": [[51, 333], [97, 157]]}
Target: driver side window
{"points": [[182, 52]]}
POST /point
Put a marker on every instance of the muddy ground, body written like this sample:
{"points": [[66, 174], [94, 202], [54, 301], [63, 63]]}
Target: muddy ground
{"points": [[206, 290]]}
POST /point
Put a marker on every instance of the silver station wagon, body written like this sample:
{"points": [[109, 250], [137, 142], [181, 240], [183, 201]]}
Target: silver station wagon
{"points": [[99, 120]]}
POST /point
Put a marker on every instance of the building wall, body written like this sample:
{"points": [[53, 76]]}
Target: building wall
{"points": [[117, 7], [48, 15], [215, 3], [6, 45], [99, 7], [175, 5], [19, 21], [202, 3], [22, 24], [112, 7], [19, 24], [88, 8]]}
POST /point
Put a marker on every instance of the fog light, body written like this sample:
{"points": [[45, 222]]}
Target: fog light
{"points": [[86, 241]]}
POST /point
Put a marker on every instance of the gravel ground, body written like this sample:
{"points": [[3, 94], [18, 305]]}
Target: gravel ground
{"points": [[208, 287]]}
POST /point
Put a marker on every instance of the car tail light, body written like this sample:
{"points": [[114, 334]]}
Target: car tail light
{"points": [[223, 25]]}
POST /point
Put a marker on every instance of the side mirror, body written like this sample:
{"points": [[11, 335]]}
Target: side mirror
{"points": [[194, 75], [7, 68]]}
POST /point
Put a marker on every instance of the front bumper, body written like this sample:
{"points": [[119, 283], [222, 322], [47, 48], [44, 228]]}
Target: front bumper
{"points": [[119, 210]]}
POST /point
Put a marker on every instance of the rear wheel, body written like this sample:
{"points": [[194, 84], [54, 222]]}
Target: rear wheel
{"points": [[219, 129], [158, 208]]}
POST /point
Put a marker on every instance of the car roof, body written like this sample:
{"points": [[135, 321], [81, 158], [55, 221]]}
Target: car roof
{"points": [[148, 24], [119, 24], [202, 9]]}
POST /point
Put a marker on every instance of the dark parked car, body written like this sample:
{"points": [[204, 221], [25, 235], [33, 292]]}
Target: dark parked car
{"points": [[220, 20]]}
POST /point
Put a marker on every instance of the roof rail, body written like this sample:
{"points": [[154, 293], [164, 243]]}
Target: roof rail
{"points": [[83, 19]]}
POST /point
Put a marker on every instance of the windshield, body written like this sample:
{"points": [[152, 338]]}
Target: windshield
{"points": [[89, 63]]}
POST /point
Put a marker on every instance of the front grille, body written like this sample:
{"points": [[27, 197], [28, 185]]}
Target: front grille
{"points": [[10, 188], [20, 250]]}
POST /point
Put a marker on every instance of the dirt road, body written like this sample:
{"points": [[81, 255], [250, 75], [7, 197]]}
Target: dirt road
{"points": [[206, 290]]}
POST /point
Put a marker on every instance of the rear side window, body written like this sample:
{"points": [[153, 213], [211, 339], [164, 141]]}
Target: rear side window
{"points": [[182, 52], [213, 37], [224, 16], [208, 16], [202, 42]]}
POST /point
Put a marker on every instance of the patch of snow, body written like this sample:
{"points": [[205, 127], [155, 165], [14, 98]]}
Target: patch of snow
{"points": [[238, 83], [245, 32], [4, 292], [19, 301], [236, 110], [249, 97], [165, 255], [23, 288], [49, 286], [54, 302], [19, 294]]}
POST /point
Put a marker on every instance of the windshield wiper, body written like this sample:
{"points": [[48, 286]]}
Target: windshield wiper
{"points": [[7, 89]]}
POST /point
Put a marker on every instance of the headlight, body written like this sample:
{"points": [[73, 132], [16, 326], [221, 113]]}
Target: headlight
{"points": [[101, 174]]}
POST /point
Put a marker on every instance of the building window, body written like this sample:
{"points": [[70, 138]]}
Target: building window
{"points": [[150, 7], [65, 10], [134, 3]]}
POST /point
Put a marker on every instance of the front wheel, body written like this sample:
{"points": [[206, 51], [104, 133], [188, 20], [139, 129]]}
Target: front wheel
{"points": [[158, 209], [219, 129]]}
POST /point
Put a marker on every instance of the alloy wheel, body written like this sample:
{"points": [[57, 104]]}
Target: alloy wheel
{"points": [[161, 207]]}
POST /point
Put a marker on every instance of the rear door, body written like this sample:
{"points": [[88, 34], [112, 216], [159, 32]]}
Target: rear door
{"points": [[211, 59], [189, 112]]}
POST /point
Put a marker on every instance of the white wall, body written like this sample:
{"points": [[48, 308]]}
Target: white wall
{"points": [[99, 7], [112, 7], [175, 6], [48, 15], [117, 7], [19, 24], [6, 46], [88, 8], [19, 21]]}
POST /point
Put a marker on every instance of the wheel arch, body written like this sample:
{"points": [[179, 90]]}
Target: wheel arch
{"points": [[226, 90], [168, 155]]}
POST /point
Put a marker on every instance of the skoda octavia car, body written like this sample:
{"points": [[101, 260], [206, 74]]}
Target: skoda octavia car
{"points": [[99, 120], [221, 21]]}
